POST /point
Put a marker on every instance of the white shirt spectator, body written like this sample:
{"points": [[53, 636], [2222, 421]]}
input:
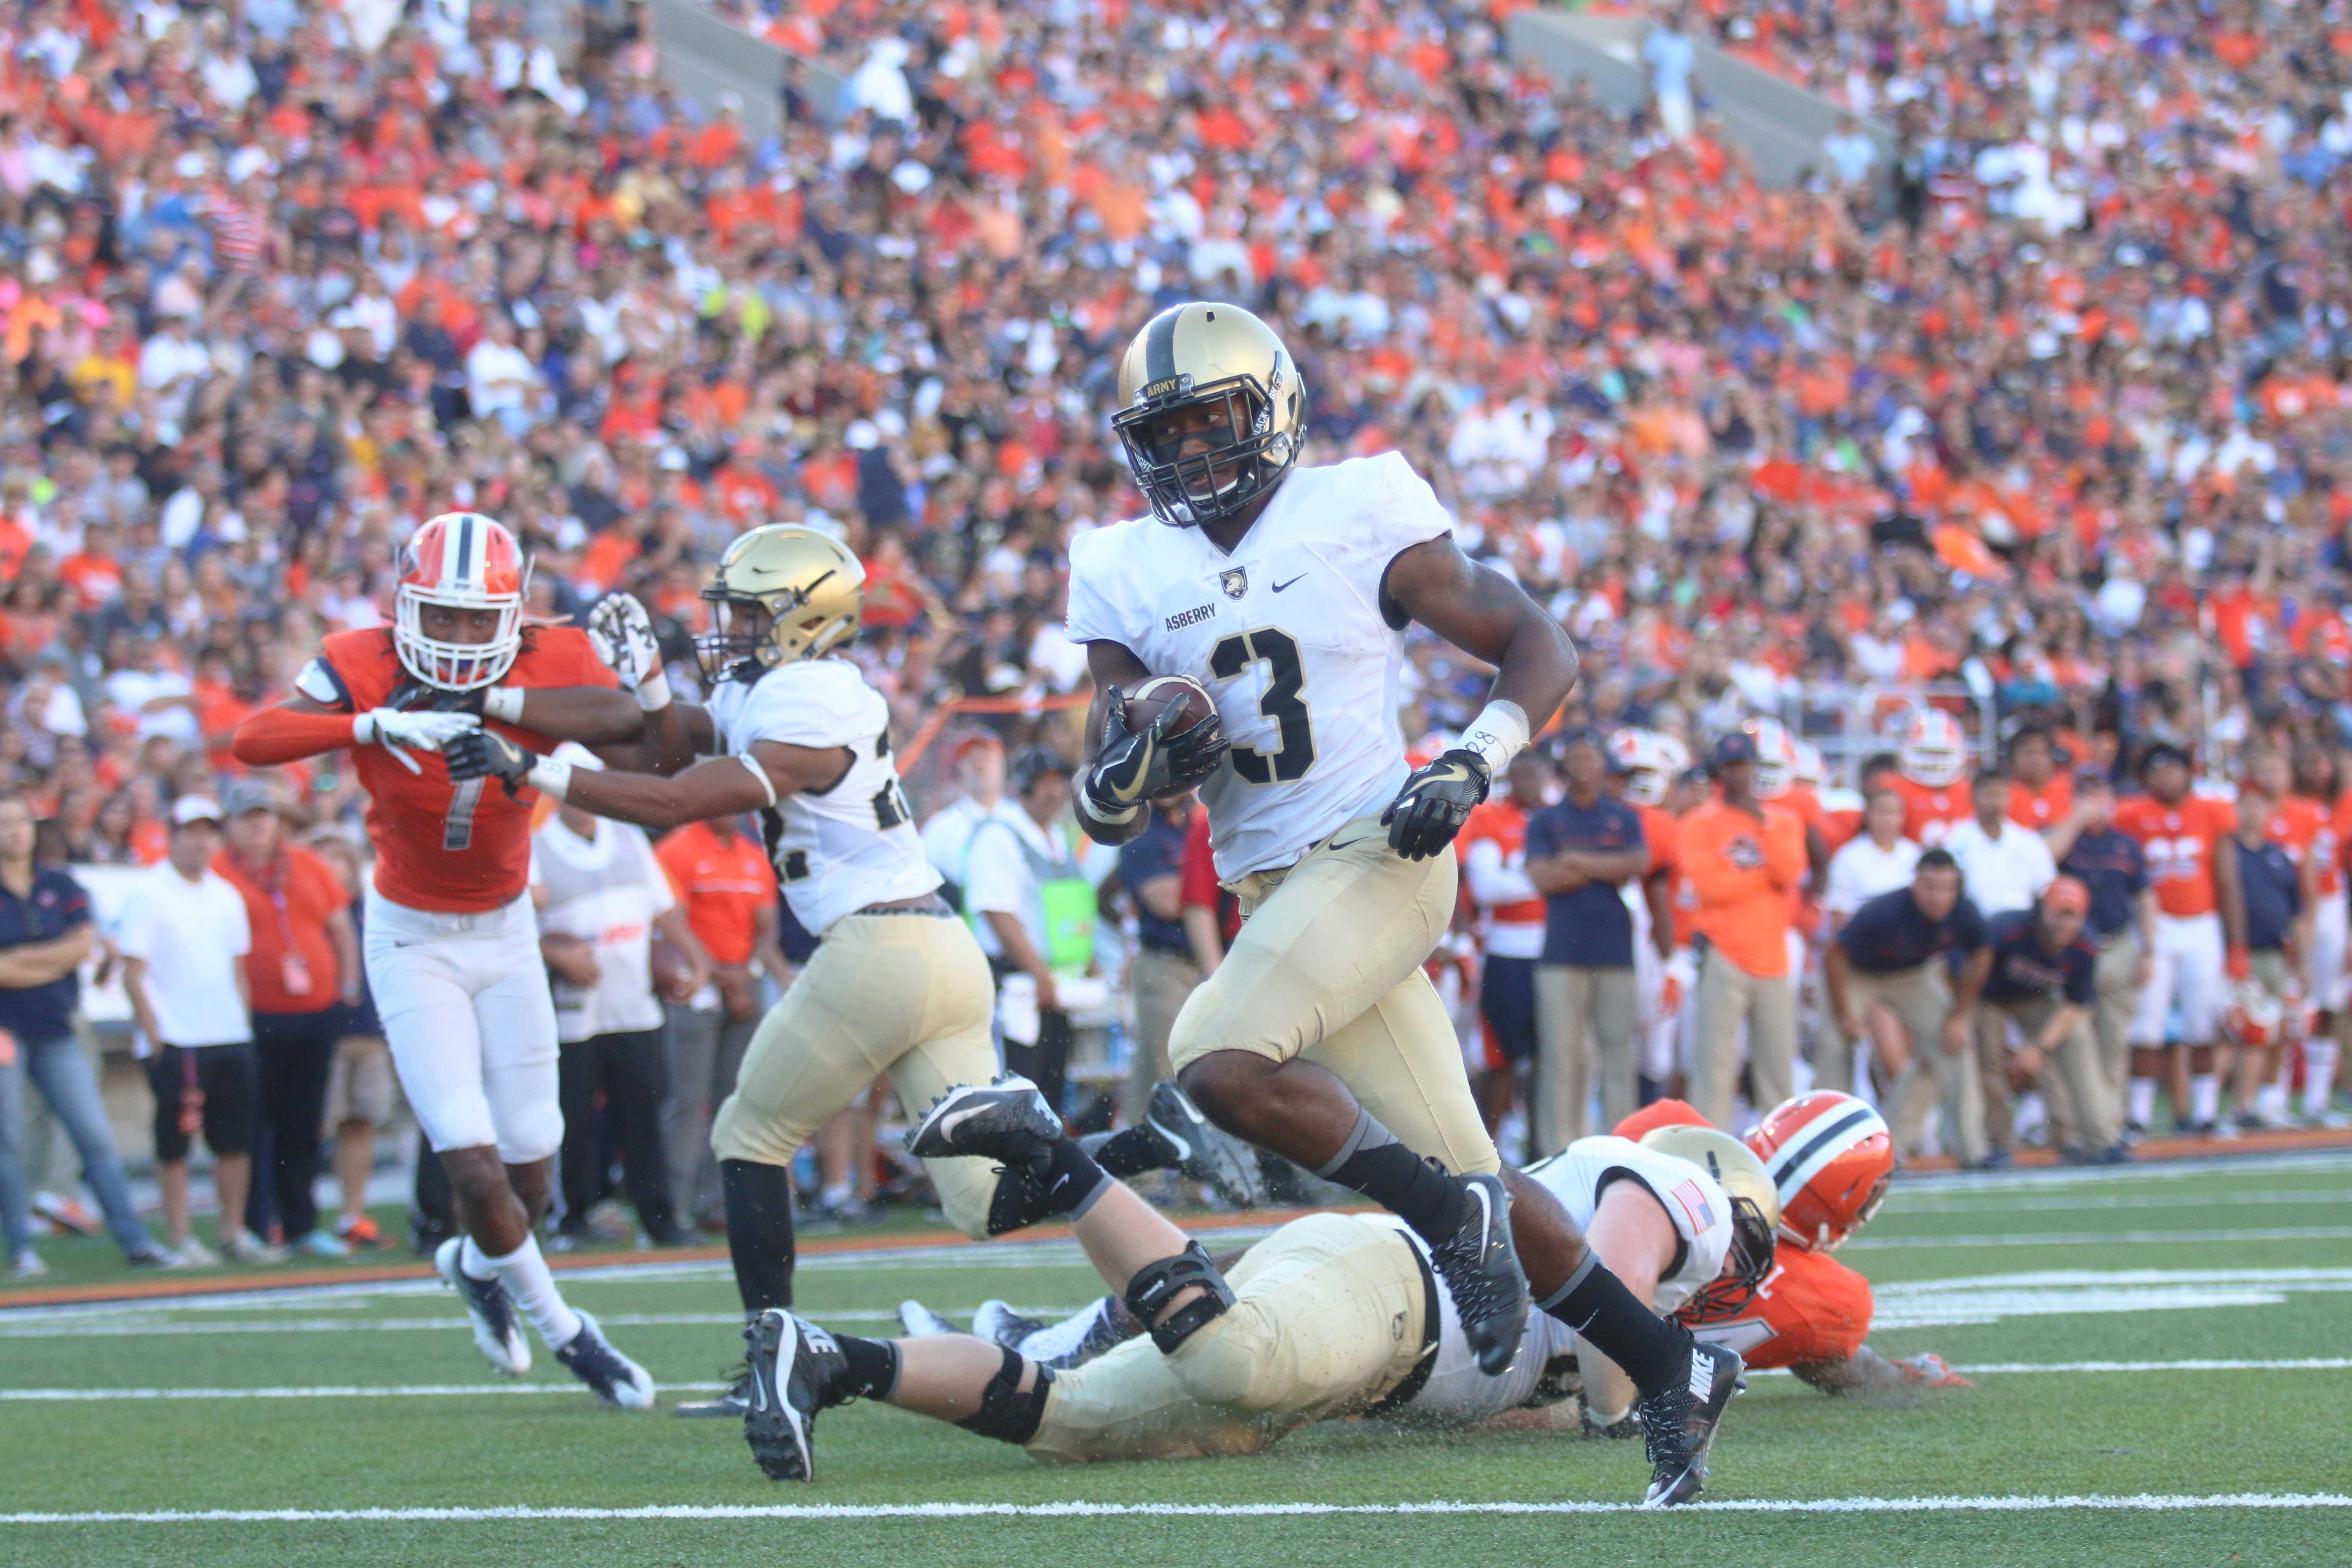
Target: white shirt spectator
{"points": [[2005, 872], [1860, 870], [168, 359], [498, 376], [1852, 153], [948, 834], [193, 936], [607, 891], [999, 876], [131, 689]]}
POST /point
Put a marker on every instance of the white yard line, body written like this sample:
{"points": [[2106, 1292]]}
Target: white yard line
{"points": [[2144, 1502], [2105, 1239], [378, 1325], [2089, 1202], [461, 1390]]}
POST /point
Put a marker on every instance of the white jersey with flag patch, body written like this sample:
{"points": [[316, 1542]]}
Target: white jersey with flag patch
{"points": [[1289, 636], [1458, 1393], [839, 849]]}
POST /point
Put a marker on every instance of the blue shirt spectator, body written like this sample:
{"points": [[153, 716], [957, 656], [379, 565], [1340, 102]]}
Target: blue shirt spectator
{"points": [[1157, 851], [2109, 862], [2024, 969], [1890, 934], [2273, 893], [55, 905], [1590, 928]]}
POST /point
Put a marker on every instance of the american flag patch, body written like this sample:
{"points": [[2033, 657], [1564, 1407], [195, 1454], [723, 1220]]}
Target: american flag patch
{"points": [[1694, 1202]]}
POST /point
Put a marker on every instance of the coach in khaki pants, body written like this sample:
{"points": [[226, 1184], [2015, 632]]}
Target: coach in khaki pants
{"points": [[1743, 859], [2121, 924], [1895, 952], [1162, 974], [2038, 972], [1581, 853]]}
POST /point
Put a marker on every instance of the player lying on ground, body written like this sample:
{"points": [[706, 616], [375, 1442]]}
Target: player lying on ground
{"points": [[1284, 591], [897, 986], [1333, 1315], [1828, 1157], [452, 945]]}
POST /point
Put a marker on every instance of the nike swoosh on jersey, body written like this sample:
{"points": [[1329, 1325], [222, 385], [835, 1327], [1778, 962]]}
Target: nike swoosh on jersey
{"points": [[1278, 587]]}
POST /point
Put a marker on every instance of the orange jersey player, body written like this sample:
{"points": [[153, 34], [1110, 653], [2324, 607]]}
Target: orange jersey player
{"points": [[1830, 1156], [1933, 778], [452, 945]]}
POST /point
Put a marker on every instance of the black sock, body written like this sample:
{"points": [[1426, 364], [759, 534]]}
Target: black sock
{"points": [[759, 1231], [1069, 1184], [1130, 1152], [873, 1369], [1652, 1350], [1374, 1164]]}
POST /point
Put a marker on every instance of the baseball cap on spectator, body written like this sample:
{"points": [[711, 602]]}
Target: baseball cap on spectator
{"points": [[1739, 746], [982, 740], [2066, 894], [1031, 763], [193, 808], [2163, 752], [246, 795]]}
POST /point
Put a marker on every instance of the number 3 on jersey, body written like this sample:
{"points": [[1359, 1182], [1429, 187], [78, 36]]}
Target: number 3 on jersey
{"points": [[1278, 652]]}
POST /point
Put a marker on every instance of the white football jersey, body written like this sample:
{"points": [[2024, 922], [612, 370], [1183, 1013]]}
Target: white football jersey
{"points": [[1458, 1393], [1287, 635], [854, 844]]}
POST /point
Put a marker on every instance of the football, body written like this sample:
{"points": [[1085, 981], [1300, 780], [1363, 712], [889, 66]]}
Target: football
{"points": [[1156, 696]]}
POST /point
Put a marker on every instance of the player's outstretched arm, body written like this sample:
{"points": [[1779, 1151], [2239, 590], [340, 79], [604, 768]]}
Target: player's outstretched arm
{"points": [[1868, 1373], [591, 715], [723, 786], [303, 726]]}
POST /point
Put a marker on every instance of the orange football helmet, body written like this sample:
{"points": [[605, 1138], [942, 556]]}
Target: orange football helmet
{"points": [[468, 561], [1831, 1157], [1935, 749]]}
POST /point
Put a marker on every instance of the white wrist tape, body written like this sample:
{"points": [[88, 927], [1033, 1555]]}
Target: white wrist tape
{"points": [[363, 728], [653, 692], [1107, 818], [1497, 734], [504, 702], [550, 777]]}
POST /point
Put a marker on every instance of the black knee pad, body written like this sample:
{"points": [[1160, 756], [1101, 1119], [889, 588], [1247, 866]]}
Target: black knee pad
{"points": [[1155, 1283], [1005, 1413]]}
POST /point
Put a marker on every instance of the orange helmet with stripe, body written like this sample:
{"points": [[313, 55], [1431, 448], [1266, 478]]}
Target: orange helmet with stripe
{"points": [[1830, 1158], [460, 560]]}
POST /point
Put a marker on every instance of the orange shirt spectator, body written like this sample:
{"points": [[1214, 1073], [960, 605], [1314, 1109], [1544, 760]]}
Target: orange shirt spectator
{"points": [[1742, 866], [2178, 840], [724, 882], [2039, 809], [291, 966]]}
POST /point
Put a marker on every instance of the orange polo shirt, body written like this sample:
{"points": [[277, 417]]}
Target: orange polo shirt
{"points": [[723, 885], [291, 966], [2041, 809], [1741, 873]]}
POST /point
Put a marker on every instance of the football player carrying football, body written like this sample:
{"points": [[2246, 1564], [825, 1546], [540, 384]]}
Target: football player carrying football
{"points": [[452, 946], [1830, 1157]]}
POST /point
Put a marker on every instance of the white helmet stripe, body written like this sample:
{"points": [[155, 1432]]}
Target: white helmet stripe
{"points": [[1794, 1164], [465, 559]]}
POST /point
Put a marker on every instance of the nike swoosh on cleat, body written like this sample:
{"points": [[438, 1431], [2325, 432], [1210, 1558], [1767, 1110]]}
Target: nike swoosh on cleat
{"points": [[949, 1123], [1486, 1219]]}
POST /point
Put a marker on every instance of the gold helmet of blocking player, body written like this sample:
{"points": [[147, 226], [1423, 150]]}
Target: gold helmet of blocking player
{"points": [[1212, 411], [780, 594], [1755, 1208]]}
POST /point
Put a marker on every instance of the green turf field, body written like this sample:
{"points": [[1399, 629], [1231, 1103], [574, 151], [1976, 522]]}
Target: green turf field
{"points": [[2172, 1346]]}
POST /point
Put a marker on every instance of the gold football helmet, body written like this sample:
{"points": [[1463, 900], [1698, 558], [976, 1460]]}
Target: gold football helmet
{"points": [[780, 594], [1212, 411], [1755, 1210]]}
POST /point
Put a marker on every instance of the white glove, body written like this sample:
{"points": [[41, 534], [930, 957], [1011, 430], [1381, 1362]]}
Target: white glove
{"points": [[623, 636], [393, 730]]}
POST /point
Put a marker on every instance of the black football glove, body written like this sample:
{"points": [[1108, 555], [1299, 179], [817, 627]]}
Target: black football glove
{"points": [[485, 754], [1134, 767], [414, 696], [1434, 803]]}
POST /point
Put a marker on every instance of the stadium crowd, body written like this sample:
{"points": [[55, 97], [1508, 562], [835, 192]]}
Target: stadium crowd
{"points": [[2042, 426]]}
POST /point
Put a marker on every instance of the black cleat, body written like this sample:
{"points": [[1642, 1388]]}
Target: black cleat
{"points": [[1008, 1121], [792, 1363], [1482, 1273], [1201, 1150], [1679, 1422], [731, 1400], [614, 1377], [498, 1327]]}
